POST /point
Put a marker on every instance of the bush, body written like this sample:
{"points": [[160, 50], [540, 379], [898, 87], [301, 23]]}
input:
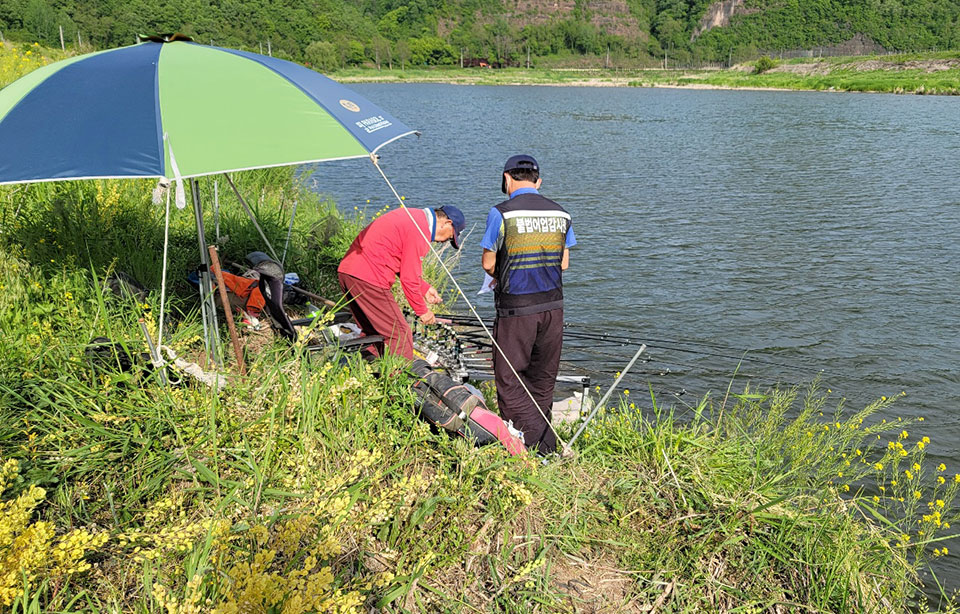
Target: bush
{"points": [[764, 64]]}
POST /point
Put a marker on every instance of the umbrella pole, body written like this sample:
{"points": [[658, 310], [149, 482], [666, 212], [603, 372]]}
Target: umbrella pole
{"points": [[208, 308]]}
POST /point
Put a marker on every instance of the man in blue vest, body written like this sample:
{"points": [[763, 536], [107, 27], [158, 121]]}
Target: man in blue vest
{"points": [[526, 248]]}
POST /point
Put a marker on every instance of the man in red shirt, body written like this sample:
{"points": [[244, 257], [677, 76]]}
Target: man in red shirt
{"points": [[393, 246]]}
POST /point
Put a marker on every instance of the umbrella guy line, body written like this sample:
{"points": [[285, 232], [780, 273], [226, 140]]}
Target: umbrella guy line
{"points": [[376, 162], [253, 218], [163, 273]]}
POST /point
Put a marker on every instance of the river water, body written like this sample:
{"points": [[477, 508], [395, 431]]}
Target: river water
{"points": [[808, 233]]}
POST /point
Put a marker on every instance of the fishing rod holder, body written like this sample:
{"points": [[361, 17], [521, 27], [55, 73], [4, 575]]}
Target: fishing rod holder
{"points": [[584, 382]]}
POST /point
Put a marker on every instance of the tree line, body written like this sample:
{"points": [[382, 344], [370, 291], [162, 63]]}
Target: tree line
{"points": [[332, 34]]}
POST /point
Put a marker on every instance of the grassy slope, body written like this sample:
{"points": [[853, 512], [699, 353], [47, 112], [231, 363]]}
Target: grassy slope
{"points": [[933, 73], [312, 487]]}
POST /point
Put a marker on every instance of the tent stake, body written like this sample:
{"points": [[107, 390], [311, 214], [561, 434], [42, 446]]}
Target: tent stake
{"points": [[154, 353], [227, 312]]}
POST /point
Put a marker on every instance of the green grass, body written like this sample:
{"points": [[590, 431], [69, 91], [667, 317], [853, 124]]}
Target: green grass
{"points": [[839, 79]]}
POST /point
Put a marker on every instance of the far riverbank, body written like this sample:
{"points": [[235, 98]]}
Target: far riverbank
{"points": [[932, 73]]}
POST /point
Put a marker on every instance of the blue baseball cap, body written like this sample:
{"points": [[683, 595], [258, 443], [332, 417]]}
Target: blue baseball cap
{"points": [[459, 222], [521, 161]]}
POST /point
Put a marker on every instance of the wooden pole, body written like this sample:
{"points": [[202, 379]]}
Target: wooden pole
{"points": [[225, 303], [315, 297]]}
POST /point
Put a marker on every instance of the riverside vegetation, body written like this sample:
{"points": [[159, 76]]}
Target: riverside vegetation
{"points": [[310, 486], [926, 73]]}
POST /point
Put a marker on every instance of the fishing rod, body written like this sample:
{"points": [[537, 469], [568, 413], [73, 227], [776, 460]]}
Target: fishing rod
{"points": [[594, 354], [576, 337], [668, 368], [594, 329], [595, 333], [667, 344], [663, 345], [673, 345]]}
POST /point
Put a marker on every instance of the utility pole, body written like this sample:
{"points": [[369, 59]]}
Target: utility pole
{"points": [[62, 47], [261, 47], [269, 49]]}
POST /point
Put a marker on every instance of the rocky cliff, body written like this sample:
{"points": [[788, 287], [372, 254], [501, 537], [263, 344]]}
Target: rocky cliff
{"points": [[719, 14]]}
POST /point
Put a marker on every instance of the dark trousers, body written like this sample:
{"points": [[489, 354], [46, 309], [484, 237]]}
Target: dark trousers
{"points": [[532, 344], [377, 313]]}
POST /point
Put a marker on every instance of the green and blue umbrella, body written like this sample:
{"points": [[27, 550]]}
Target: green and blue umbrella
{"points": [[179, 109], [171, 108]]}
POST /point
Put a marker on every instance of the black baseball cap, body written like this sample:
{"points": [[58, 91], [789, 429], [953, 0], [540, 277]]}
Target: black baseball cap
{"points": [[459, 223], [521, 161]]}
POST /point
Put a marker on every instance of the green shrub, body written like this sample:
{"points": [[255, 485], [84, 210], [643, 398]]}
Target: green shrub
{"points": [[764, 64]]}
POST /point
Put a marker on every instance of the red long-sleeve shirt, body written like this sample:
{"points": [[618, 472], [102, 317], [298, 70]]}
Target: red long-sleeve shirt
{"points": [[389, 247]]}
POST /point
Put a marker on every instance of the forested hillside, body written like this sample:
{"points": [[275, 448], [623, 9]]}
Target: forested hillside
{"points": [[336, 33]]}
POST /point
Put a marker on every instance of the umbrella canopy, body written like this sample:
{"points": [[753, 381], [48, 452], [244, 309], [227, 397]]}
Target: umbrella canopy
{"points": [[106, 115]]}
